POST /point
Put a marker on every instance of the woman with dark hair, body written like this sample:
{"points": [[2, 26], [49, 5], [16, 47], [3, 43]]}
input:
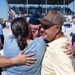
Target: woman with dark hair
{"points": [[19, 41]]}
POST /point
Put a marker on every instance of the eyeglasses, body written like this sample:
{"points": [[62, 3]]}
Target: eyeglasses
{"points": [[34, 29]]}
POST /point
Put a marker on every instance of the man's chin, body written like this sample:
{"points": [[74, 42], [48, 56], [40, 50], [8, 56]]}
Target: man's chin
{"points": [[46, 41], [44, 37]]}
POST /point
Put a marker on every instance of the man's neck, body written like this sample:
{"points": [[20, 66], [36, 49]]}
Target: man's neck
{"points": [[59, 35]]}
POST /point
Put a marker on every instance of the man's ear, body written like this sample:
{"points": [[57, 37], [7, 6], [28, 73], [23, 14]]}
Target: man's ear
{"points": [[58, 29]]}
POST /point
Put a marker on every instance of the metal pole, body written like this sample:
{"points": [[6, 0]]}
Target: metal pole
{"points": [[46, 6], [24, 6], [73, 5], [42, 6], [64, 6], [27, 7]]}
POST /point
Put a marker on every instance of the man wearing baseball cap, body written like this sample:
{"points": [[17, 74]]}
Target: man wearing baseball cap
{"points": [[36, 31], [35, 25], [55, 62]]}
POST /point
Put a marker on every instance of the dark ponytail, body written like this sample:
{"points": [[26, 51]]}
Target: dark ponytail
{"points": [[20, 30], [21, 42]]}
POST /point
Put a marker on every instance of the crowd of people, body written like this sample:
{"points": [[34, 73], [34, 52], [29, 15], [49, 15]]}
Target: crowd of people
{"points": [[38, 46]]}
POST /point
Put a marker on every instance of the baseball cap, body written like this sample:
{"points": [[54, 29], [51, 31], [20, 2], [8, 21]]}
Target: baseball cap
{"points": [[53, 17], [33, 19]]}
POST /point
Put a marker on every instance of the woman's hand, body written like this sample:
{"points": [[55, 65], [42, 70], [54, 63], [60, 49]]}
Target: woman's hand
{"points": [[24, 58], [69, 49]]}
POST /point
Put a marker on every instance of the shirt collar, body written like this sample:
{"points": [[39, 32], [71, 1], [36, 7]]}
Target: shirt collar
{"points": [[57, 41]]}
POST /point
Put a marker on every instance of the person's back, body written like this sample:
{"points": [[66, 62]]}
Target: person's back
{"points": [[19, 41], [11, 50]]}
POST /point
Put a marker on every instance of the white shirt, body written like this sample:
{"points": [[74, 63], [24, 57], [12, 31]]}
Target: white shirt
{"points": [[63, 29], [73, 28]]}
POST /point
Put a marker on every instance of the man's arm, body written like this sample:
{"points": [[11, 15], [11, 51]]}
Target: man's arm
{"points": [[19, 59]]}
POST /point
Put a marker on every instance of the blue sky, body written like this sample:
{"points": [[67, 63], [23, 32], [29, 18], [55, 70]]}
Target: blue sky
{"points": [[3, 8]]}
